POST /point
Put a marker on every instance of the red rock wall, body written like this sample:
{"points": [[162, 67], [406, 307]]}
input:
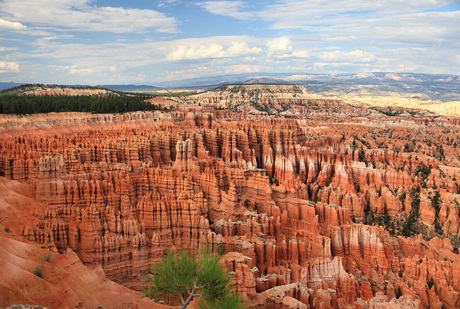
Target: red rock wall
{"points": [[279, 195]]}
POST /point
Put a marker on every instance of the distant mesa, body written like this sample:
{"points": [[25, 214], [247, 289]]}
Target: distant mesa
{"points": [[260, 98], [56, 90], [43, 89]]}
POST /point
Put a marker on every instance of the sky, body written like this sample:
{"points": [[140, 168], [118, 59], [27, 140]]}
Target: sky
{"points": [[146, 42]]}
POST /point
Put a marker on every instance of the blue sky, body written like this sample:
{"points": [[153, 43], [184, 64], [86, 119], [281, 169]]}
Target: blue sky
{"points": [[146, 42]]}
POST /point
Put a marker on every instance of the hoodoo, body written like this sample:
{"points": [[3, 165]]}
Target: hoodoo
{"points": [[316, 203]]}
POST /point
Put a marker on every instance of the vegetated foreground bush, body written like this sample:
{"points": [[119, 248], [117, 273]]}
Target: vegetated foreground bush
{"points": [[14, 104], [201, 275], [38, 272]]}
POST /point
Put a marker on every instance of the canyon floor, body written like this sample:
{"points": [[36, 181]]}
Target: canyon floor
{"points": [[317, 202]]}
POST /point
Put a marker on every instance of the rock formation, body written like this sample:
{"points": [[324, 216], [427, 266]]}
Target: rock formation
{"points": [[311, 211]]}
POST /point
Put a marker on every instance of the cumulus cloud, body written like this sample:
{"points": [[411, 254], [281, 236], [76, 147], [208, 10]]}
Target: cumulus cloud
{"points": [[9, 67], [226, 8], [211, 50], [281, 44], [281, 48], [83, 16]]}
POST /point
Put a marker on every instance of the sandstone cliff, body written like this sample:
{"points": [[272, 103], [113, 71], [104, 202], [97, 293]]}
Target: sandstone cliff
{"points": [[317, 211]]}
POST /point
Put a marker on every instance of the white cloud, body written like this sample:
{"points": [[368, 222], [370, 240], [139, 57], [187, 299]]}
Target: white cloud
{"points": [[83, 16], [104, 61], [9, 67], [431, 28], [281, 47], [188, 73], [212, 50], [300, 54], [77, 69], [297, 77], [242, 68], [295, 54], [281, 44], [167, 2], [193, 49], [226, 8], [320, 35], [355, 56], [7, 49], [212, 67], [4, 24], [392, 21], [295, 14]]}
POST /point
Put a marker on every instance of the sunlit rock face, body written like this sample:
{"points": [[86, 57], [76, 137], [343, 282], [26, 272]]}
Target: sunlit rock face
{"points": [[312, 210]]}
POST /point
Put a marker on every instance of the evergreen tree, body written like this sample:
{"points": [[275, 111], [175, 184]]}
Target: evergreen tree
{"points": [[199, 276]]}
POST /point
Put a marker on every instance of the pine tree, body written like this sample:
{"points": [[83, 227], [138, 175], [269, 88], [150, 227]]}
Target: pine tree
{"points": [[199, 276]]}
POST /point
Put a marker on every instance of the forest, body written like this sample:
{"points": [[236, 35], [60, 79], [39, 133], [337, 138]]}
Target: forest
{"points": [[113, 103]]}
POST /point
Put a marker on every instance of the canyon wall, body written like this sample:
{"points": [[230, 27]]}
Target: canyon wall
{"points": [[312, 211]]}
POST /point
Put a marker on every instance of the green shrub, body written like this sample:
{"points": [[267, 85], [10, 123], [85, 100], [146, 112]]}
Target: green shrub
{"points": [[38, 272], [201, 275]]}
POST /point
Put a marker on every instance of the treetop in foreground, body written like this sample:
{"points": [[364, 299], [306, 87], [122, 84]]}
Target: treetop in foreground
{"points": [[188, 276]]}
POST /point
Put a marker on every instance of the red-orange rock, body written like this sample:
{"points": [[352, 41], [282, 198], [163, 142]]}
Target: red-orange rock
{"points": [[278, 195]]}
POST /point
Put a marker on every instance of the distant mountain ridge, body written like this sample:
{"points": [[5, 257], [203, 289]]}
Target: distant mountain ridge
{"points": [[129, 87], [8, 85], [442, 87]]}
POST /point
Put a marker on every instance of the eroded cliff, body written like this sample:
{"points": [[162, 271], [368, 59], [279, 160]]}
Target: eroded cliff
{"points": [[337, 206]]}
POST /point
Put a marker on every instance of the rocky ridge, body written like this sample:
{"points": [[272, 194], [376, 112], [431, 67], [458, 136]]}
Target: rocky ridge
{"points": [[46, 90]]}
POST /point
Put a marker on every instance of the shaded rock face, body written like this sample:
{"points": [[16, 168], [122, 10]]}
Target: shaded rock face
{"points": [[295, 203]]}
